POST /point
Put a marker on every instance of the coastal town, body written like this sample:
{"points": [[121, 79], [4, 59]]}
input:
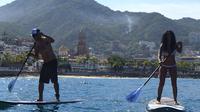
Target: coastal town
{"points": [[86, 61]]}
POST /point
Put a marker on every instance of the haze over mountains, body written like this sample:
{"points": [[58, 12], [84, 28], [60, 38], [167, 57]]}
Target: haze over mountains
{"points": [[63, 19]]}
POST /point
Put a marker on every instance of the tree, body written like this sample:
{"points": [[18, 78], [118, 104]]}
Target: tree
{"points": [[184, 66], [81, 59], [116, 63], [20, 57], [93, 59], [7, 59]]}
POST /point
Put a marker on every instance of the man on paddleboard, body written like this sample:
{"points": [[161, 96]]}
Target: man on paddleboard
{"points": [[43, 49]]}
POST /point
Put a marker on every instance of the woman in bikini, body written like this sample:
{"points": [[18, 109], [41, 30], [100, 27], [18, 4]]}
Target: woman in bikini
{"points": [[166, 57]]}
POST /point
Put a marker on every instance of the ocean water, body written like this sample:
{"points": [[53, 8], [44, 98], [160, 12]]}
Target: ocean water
{"points": [[98, 94]]}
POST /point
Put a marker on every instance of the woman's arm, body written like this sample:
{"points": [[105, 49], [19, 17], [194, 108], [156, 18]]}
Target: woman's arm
{"points": [[160, 53]]}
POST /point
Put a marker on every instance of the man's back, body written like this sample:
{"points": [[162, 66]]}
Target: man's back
{"points": [[44, 48]]}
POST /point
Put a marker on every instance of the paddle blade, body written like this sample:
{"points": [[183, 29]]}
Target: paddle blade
{"points": [[132, 97], [11, 85]]}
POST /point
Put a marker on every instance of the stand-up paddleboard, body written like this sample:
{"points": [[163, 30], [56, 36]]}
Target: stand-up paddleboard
{"points": [[37, 102], [167, 105]]}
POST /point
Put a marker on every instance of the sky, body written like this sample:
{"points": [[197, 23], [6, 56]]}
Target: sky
{"points": [[3, 2], [174, 9]]}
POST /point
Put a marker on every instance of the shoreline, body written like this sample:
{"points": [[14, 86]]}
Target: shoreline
{"points": [[97, 76], [135, 74]]}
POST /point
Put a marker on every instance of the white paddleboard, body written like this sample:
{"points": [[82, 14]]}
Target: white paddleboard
{"points": [[38, 102], [167, 105]]}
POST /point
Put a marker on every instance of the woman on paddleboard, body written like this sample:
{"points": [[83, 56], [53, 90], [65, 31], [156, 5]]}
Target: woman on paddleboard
{"points": [[166, 57]]}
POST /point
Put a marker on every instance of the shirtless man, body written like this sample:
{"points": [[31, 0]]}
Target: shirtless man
{"points": [[43, 48]]}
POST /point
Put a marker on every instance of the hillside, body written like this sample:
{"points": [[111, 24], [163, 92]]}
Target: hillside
{"points": [[63, 19], [12, 29]]}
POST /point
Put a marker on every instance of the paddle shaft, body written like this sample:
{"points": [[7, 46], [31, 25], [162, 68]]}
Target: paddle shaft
{"points": [[24, 62], [152, 74]]}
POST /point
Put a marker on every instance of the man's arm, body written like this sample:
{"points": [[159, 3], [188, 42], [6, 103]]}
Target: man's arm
{"points": [[36, 52], [50, 39]]}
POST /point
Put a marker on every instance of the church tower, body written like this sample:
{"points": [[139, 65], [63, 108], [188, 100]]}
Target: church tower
{"points": [[82, 49]]}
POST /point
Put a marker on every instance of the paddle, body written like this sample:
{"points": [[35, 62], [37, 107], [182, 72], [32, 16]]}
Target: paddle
{"points": [[132, 97], [12, 83]]}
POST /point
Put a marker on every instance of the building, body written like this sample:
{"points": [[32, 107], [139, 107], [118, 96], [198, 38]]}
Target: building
{"points": [[197, 69], [187, 51], [194, 37], [82, 67], [116, 46], [150, 45], [63, 52], [15, 50], [191, 59], [82, 49], [1, 47]]}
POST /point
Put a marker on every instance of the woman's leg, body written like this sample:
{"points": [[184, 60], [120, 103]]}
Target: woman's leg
{"points": [[173, 73], [162, 73]]}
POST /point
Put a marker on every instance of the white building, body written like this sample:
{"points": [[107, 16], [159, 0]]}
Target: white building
{"points": [[150, 45], [13, 49], [63, 51]]}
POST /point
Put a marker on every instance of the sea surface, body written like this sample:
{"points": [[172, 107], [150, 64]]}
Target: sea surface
{"points": [[98, 94]]}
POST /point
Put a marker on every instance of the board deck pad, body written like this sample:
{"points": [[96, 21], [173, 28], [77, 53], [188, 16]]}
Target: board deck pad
{"points": [[38, 102], [167, 105]]}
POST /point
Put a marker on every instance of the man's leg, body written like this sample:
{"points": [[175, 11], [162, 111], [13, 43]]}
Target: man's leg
{"points": [[56, 88], [40, 90], [54, 79]]}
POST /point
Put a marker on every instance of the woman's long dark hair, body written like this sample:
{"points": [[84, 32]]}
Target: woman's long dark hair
{"points": [[172, 46]]}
